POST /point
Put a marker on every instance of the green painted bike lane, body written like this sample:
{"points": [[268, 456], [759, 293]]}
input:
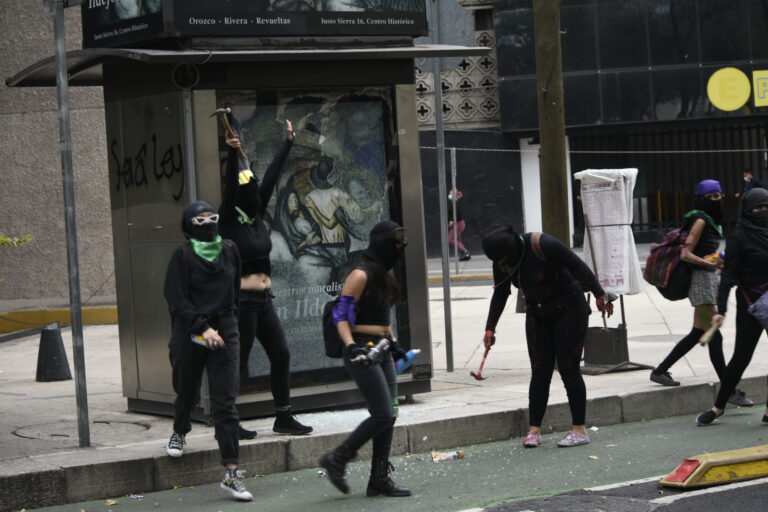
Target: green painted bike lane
{"points": [[489, 474]]}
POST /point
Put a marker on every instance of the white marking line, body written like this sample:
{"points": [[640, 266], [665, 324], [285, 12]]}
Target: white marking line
{"points": [[473, 510], [625, 484], [670, 499]]}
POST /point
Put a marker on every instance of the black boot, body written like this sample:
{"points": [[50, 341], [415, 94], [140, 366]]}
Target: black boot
{"points": [[285, 423], [244, 434], [335, 464], [380, 484]]}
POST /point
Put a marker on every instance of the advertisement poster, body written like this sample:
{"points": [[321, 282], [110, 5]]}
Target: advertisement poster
{"points": [[108, 23], [115, 22], [333, 189], [300, 17]]}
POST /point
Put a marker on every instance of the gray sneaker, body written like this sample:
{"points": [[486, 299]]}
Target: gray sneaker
{"points": [[665, 379], [233, 484], [573, 439]]}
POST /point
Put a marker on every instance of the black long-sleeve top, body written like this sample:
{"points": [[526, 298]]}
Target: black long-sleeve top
{"points": [[252, 239], [560, 274], [196, 289], [746, 266]]}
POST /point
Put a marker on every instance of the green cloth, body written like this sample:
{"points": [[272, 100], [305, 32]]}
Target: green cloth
{"points": [[243, 217], [209, 251], [707, 218]]}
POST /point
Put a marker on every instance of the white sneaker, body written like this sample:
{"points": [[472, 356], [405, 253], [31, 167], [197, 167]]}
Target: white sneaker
{"points": [[175, 446], [573, 439], [233, 484]]}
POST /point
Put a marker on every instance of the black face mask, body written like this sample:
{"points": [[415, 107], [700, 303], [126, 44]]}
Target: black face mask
{"points": [[759, 218], [385, 252], [713, 208], [204, 232], [504, 248]]}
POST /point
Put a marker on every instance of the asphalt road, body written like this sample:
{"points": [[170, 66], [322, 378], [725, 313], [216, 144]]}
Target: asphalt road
{"points": [[502, 476]]}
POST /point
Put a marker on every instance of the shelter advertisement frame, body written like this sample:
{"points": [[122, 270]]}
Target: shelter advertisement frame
{"points": [[340, 179]]}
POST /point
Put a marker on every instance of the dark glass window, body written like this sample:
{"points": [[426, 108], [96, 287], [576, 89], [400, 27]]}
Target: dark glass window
{"points": [[626, 96], [514, 42], [759, 28], [582, 100], [677, 94], [518, 104], [724, 30], [622, 34], [577, 23], [484, 19], [673, 35]]}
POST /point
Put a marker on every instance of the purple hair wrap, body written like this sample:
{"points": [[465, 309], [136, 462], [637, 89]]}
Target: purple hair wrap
{"points": [[707, 187]]}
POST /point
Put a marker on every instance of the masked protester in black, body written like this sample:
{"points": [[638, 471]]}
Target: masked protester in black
{"points": [[703, 225], [201, 287], [746, 266], [556, 317], [362, 316], [243, 205]]}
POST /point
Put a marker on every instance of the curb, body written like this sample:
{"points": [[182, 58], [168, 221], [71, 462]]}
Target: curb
{"points": [[122, 470], [457, 278], [12, 321]]}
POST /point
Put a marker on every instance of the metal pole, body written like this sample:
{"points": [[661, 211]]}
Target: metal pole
{"points": [[453, 204], [549, 82], [65, 148], [440, 144]]}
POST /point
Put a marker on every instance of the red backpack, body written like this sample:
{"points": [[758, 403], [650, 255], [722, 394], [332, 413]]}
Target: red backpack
{"points": [[665, 270]]}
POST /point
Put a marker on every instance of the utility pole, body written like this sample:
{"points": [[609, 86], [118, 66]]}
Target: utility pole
{"points": [[549, 92]]}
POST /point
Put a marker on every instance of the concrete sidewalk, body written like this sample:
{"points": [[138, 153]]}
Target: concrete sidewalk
{"points": [[38, 427]]}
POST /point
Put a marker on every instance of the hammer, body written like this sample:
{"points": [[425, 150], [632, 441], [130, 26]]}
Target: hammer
{"points": [[221, 113], [478, 375]]}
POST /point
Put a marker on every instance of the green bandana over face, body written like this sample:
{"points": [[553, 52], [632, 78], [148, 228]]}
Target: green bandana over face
{"points": [[209, 251]]}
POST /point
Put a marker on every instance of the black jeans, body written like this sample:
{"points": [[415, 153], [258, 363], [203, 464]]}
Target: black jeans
{"points": [[258, 319], [748, 331], [188, 360], [557, 335], [378, 384]]}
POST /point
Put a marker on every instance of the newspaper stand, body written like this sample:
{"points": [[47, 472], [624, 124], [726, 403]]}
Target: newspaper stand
{"points": [[606, 194]]}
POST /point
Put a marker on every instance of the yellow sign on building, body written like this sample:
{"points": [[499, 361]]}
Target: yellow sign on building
{"points": [[760, 87], [728, 89]]}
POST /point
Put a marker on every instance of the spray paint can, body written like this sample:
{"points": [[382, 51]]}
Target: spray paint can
{"points": [[406, 361], [374, 354]]}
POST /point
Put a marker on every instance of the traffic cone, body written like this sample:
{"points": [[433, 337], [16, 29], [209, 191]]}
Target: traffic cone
{"points": [[52, 364]]}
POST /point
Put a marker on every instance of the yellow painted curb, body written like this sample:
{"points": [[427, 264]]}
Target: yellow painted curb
{"points": [[720, 468], [32, 318], [461, 278]]}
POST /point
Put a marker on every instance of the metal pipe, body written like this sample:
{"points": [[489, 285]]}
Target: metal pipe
{"points": [[440, 145], [453, 204], [65, 149]]}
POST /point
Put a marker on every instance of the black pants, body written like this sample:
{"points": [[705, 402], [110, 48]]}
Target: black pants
{"points": [[258, 319], [188, 361], [558, 335], [748, 331], [378, 384]]}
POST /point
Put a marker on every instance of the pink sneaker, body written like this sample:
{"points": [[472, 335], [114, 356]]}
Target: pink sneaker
{"points": [[573, 439], [532, 440]]}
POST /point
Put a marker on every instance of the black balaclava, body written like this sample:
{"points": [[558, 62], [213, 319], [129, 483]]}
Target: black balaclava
{"points": [[712, 207], [206, 232], [382, 246], [504, 247], [755, 223]]}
